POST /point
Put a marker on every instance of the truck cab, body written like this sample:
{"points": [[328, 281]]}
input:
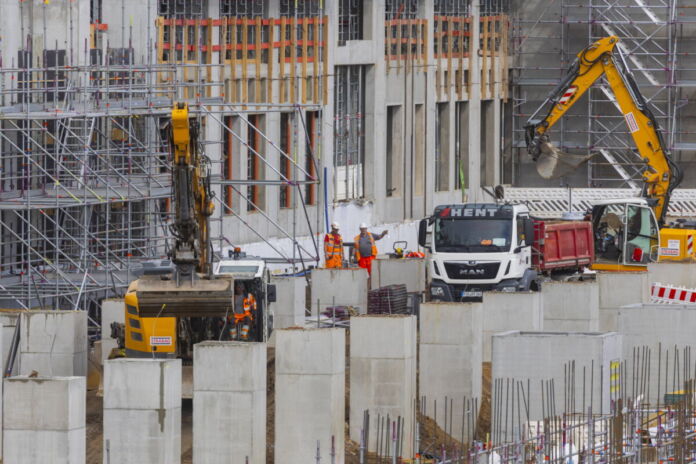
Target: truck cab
{"points": [[254, 275], [478, 247]]}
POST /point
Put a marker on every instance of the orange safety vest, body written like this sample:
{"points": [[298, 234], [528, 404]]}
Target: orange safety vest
{"points": [[333, 246], [356, 241]]}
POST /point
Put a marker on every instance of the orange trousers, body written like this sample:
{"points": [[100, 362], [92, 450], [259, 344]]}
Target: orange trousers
{"points": [[334, 261], [366, 263]]}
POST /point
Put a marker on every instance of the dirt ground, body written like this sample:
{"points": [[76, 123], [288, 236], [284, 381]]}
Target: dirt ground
{"points": [[432, 436]]}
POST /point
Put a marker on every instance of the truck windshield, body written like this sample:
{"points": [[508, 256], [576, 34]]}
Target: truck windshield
{"points": [[459, 235]]}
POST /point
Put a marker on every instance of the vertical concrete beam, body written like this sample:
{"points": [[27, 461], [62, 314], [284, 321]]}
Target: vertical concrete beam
{"points": [[8, 321], [450, 358], [289, 308], [53, 343], [474, 168], [229, 402], [411, 272], [679, 274], [382, 374], [309, 394], [571, 306], [142, 411], [503, 311], [617, 289], [44, 420]]}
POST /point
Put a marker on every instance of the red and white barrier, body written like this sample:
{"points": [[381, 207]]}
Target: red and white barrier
{"points": [[671, 294]]}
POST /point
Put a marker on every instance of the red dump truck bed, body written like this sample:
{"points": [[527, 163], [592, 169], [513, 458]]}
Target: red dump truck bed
{"points": [[562, 245]]}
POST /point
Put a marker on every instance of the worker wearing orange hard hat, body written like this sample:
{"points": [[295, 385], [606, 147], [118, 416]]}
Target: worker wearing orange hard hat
{"points": [[333, 247], [365, 247]]}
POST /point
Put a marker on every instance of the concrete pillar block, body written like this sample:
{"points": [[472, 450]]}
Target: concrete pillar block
{"points": [[289, 309], [659, 328], [142, 411], [505, 311], [229, 402], [571, 306], [8, 321], [674, 273], [53, 343], [540, 356], [450, 357], [382, 373], [342, 287], [112, 310], [399, 271], [310, 394], [617, 289], [44, 420]]}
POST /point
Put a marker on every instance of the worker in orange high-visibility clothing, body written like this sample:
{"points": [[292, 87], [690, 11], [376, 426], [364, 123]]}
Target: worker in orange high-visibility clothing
{"points": [[244, 311], [333, 247], [365, 248]]}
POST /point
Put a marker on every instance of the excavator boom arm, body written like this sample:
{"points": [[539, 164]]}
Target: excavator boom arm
{"points": [[661, 175]]}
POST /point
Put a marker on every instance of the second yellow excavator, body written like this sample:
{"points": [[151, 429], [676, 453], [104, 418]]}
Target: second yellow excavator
{"points": [[628, 233]]}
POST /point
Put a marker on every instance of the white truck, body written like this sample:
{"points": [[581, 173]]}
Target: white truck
{"points": [[474, 248]]}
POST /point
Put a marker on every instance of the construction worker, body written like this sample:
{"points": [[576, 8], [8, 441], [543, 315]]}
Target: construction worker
{"points": [[333, 247], [244, 310], [365, 248]]}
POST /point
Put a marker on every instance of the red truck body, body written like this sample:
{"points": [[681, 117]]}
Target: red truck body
{"points": [[562, 245]]}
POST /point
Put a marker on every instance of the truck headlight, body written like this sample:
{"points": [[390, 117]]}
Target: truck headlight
{"points": [[437, 291]]}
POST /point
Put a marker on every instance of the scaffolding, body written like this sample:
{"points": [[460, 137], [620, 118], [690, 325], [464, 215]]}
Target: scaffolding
{"points": [[653, 35], [85, 183]]}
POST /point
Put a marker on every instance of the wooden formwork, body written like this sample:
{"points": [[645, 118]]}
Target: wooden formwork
{"points": [[263, 60]]}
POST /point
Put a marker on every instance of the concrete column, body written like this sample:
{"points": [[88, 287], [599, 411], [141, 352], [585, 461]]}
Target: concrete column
{"points": [[474, 168], [534, 357], [142, 411], [342, 287], [571, 306], [44, 420], [504, 311], [679, 274], [309, 394], [617, 289], [53, 343], [229, 402], [289, 309], [450, 359], [112, 310], [8, 321], [387, 271], [382, 374]]}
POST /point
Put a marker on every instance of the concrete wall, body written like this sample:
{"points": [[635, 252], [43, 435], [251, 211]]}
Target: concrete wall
{"points": [[53, 343], [142, 411], [342, 287], [660, 328], [291, 296], [44, 420], [617, 289], [411, 272], [450, 357], [540, 356], [309, 394], [8, 321], [229, 402], [571, 306], [678, 274], [112, 310], [504, 311], [382, 374]]}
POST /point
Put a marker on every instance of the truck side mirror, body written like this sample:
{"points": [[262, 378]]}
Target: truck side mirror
{"points": [[528, 231], [422, 231]]}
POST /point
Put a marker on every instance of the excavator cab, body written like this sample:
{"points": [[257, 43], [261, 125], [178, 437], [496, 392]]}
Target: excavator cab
{"points": [[626, 235]]}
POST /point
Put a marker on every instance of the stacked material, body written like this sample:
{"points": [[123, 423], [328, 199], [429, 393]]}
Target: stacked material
{"points": [[391, 299]]}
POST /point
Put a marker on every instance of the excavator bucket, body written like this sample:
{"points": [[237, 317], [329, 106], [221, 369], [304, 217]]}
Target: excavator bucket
{"points": [[158, 297], [552, 163]]}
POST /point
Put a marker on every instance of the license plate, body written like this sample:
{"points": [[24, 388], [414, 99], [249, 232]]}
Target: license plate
{"points": [[471, 294]]}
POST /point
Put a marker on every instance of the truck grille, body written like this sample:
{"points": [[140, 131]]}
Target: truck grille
{"points": [[477, 271]]}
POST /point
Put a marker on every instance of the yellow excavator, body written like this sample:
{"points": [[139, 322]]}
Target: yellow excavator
{"points": [[169, 309], [628, 233]]}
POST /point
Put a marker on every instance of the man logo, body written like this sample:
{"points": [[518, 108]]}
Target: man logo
{"points": [[471, 272]]}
